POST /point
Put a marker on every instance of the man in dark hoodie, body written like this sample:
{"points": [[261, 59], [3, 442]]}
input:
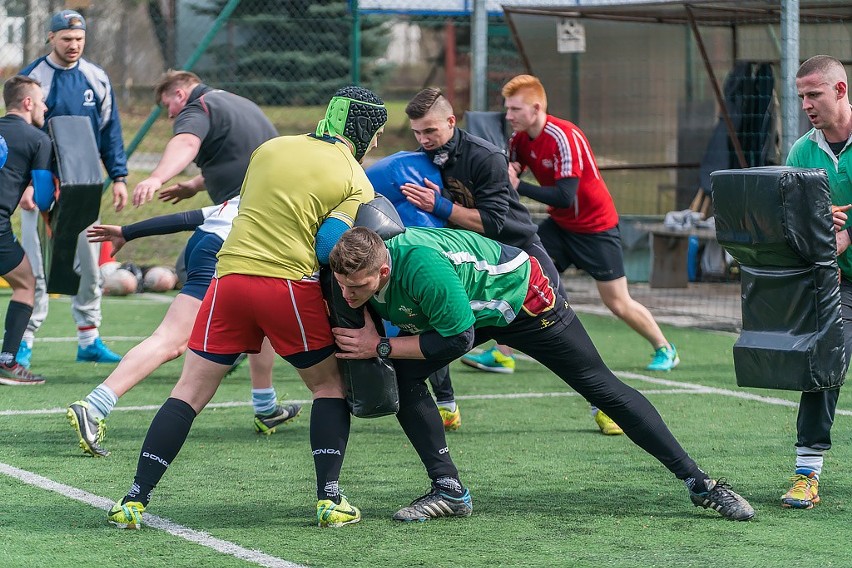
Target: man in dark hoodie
{"points": [[476, 196]]}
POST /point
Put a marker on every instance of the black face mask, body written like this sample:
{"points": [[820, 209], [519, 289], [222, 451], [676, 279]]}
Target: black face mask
{"points": [[440, 156]]}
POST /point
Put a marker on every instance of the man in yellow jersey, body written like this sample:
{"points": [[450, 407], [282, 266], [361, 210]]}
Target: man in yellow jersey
{"points": [[299, 195]]}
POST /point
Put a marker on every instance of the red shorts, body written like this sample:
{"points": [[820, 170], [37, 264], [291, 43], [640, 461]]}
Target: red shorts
{"points": [[239, 310]]}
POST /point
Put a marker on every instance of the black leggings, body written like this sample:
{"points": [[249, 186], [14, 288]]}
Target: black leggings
{"points": [[558, 340]]}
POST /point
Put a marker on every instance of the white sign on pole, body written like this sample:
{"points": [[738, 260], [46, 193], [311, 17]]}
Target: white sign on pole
{"points": [[570, 36]]}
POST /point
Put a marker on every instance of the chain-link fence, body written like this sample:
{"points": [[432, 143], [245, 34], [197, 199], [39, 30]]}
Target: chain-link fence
{"points": [[287, 55], [639, 89], [277, 52]]}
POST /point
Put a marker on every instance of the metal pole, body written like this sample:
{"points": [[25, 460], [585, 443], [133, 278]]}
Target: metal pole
{"points": [[32, 32], [789, 66], [356, 42], [479, 57], [450, 60], [720, 100]]}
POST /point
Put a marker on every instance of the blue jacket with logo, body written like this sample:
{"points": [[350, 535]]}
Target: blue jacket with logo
{"points": [[84, 90]]}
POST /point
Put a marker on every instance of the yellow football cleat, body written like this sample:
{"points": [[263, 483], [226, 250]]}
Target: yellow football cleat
{"points": [[805, 491], [126, 515], [451, 418], [493, 361], [607, 425], [331, 514]]}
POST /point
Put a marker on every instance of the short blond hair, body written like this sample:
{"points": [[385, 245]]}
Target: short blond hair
{"points": [[827, 67], [529, 87], [358, 249], [171, 80]]}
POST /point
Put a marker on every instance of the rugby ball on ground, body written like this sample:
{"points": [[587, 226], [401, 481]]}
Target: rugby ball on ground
{"points": [[120, 282], [108, 268], [159, 279]]}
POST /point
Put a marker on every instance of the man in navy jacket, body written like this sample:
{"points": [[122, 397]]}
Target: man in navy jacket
{"points": [[74, 86]]}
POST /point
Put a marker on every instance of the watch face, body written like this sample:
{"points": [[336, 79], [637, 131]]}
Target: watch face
{"points": [[384, 348]]}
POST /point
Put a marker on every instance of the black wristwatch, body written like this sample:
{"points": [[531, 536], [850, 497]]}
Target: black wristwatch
{"points": [[384, 348], [120, 179]]}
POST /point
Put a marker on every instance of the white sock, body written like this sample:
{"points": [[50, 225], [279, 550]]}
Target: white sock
{"points": [[809, 458], [101, 401], [28, 338], [264, 401], [87, 335]]}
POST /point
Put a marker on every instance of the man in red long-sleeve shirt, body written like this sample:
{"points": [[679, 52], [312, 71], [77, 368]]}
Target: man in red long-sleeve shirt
{"points": [[582, 229]]}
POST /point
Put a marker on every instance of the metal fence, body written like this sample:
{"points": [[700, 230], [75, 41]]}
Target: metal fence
{"points": [[640, 90]]}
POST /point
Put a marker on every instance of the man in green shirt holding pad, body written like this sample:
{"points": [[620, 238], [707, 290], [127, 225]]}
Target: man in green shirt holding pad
{"points": [[449, 290]]}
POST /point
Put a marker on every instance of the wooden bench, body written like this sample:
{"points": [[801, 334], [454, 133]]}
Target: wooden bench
{"points": [[670, 254]]}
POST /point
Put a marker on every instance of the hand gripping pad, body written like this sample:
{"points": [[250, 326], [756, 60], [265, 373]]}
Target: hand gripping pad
{"points": [[80, 189], [390, 173], [371, 388]]}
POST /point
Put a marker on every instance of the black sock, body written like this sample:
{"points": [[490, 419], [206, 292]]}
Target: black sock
{"points": [[449, 485], [422, 423], [696, 482], [166, 435], [17, 316], [330, 422]]}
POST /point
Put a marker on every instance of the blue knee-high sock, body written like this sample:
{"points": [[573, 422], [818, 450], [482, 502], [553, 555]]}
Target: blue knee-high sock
{"points": [[264, 401]]}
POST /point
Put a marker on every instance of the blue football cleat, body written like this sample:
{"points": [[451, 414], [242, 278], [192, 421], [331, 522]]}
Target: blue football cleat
{"points": [[97, 352], [24, 356]]}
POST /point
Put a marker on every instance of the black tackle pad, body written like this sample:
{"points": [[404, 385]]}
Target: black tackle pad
{"points": [[776, 221], [774, 216], [380, 215], [371, 388], [79, 203]]}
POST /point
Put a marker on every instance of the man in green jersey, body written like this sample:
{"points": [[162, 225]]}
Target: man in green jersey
{"points": [[822, 85], [449, 290]]}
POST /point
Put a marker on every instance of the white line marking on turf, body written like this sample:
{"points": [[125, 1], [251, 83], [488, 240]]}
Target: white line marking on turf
{"points": [[236, 404], [107, 338], [693, 388], [724, 392], [698, 388], [679, 388], [186, 533]]}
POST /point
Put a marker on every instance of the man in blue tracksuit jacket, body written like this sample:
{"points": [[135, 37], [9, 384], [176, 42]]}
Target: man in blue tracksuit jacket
{"points": [[75, 86]]}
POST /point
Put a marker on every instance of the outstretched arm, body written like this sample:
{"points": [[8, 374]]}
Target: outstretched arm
{"points": [[560, 195], [179, 153], [107, 233], [161, 225]]}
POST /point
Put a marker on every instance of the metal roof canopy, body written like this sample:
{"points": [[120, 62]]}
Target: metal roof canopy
{"points": [[725, 13], [704, 12]]}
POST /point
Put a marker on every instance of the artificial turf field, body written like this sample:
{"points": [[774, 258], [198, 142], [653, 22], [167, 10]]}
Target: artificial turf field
{"points": [[548, 489]]}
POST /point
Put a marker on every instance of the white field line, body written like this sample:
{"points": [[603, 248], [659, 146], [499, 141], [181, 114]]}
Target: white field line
{"points": [[693, 388], [105, 337], [262, 559], [180, 531], [235, 404], [677, 388]]}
